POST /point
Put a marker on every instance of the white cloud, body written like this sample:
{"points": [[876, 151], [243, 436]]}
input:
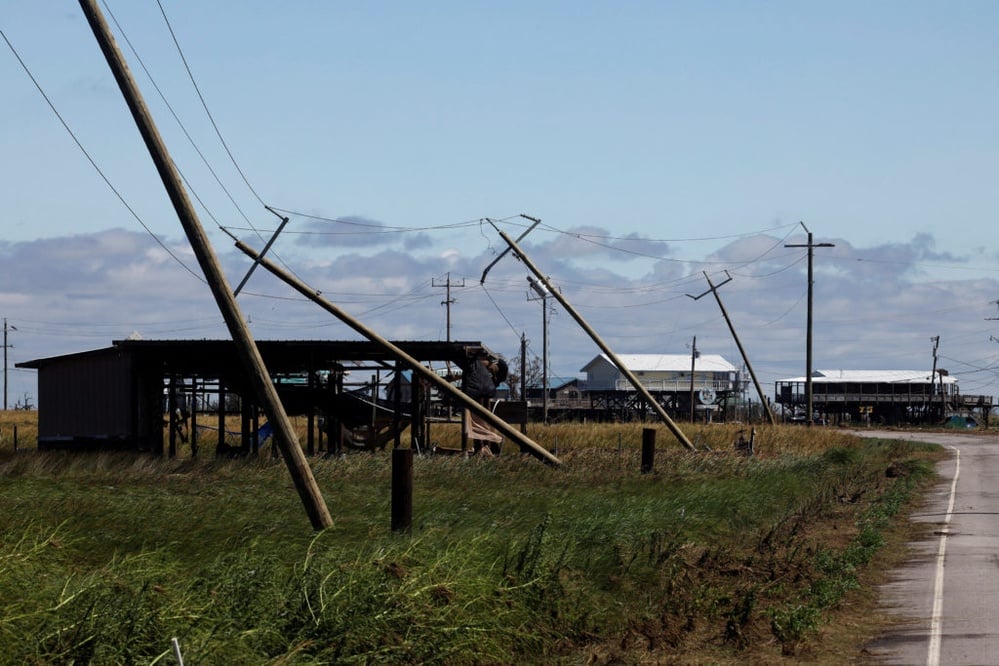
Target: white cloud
{"points": [[875, 308]]}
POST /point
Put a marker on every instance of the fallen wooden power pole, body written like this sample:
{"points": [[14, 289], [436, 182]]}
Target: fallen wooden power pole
{"points": [[253, 363], [600, 343], [525, 442]]}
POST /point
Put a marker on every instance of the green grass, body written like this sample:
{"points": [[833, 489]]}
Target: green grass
{"points": [[711, 558]]}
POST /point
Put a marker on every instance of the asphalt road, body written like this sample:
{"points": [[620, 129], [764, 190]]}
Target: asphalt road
{"points": [[948, 593]]}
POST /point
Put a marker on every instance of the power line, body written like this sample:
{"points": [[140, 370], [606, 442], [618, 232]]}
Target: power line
{"points": [[190, 139], [180, 124], [204, 104], [93, 163]]}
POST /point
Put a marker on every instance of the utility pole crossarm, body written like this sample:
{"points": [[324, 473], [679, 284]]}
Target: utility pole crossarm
{"points": [[521, 237], [263, 253]]}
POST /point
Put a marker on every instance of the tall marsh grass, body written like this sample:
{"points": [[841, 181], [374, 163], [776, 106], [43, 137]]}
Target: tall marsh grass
{"points": [[712, 556]]}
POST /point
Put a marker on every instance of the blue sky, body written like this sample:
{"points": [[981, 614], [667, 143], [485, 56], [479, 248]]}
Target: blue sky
{"points": [[654, 140]]}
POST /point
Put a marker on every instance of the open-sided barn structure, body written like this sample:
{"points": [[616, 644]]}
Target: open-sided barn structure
{"points": [[881, 396], [672, 379], [120, 396]]}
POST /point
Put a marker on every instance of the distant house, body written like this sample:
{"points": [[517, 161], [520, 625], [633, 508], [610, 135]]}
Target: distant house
{"points": [[668, 377], [886, 396], [562, 391], [662, 372]]}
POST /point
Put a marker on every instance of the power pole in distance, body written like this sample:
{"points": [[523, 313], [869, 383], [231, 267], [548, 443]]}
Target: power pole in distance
{"points": [[808, 334], [5, 348], [543, 294], [448, 300], [693, 360]]}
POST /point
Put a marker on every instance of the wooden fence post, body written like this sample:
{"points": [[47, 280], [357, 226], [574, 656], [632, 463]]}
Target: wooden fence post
{"points": [[402, 489], [648, 449]]}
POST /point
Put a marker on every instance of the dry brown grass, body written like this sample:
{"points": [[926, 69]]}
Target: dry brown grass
{"points": [[20, 427]]}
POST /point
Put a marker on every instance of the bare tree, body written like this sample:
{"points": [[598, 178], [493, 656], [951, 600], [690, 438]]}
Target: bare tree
{"points": [[533, 376]]}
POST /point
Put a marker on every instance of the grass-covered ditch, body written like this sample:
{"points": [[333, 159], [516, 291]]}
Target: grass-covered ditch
{"points": [[711, 558]]}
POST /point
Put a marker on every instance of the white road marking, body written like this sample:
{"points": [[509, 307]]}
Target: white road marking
{"points": [[936, 620]]}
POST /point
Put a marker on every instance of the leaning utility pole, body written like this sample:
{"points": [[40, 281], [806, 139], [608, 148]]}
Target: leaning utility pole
{"points": [[808, 334], [5, 348], [253, 363], [448, 300], [444, 386], [622, 368], [713, 288]]}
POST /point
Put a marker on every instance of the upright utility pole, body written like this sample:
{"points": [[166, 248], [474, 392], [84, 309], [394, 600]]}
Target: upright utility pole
{"points": [[523, 367], [447, 299], [693, 360], [253, 363], [933, 379], [713, 288], [5, 348], [809, 420], [543, 294]]}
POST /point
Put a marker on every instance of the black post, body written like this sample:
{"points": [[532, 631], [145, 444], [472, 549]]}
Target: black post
{"points": [[648, 449], [402, 489]]}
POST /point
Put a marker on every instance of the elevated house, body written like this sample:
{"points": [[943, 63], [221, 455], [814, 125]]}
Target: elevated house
{"points": [[674, 380], [880, 396]]}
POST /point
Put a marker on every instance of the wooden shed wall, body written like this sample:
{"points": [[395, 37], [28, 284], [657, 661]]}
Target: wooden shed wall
{"points": [[90, 397]]}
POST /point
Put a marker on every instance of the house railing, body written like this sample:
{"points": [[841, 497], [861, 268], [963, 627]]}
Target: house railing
{"points": [[666, 385]]}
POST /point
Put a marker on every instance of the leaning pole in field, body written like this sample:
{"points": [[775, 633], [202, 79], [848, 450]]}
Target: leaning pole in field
{"points": [[525, 442], [600, 343], [249, 355], [713, 288]]}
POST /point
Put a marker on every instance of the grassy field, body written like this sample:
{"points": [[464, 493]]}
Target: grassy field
{"points": [[710, 558]]}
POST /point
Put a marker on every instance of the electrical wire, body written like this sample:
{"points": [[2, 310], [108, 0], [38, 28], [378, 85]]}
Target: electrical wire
{"points": [[607, 237], [204, 104], [499, 310], [180, 124], [93, 163], [376, 227]]}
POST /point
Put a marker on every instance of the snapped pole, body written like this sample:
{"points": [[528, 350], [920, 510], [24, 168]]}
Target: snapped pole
{"points": [[252, 362], [525, 442], [600, 343]]}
